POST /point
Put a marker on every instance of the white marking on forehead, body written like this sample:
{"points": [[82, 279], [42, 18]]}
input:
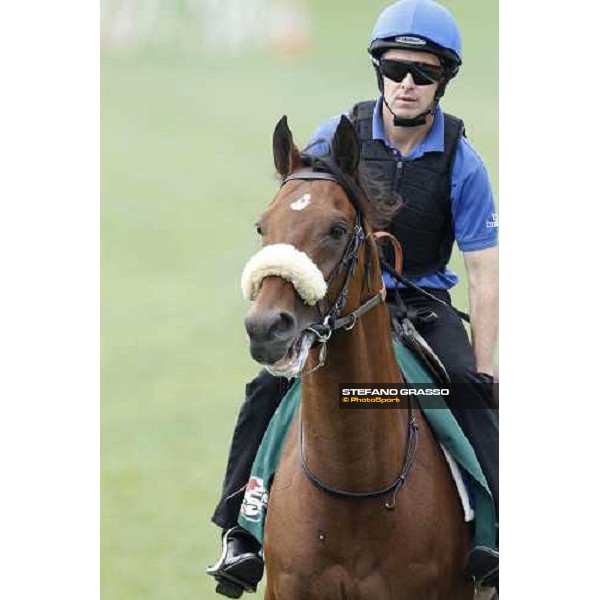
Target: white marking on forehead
{"points": [[301, 203]]}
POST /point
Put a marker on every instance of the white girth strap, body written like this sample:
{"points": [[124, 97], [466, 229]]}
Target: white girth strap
{"points": [[283, 260]]}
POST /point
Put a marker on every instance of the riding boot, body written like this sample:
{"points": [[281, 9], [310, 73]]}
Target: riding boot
{"points": [[240, 567], [484, 566], [263, 395]]}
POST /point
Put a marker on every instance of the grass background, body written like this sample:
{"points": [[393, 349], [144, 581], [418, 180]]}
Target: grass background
{"points": [[186, 167]]}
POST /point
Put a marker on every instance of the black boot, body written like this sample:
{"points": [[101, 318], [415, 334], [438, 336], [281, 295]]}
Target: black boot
{"points": [[240, 567], [484, 566]]}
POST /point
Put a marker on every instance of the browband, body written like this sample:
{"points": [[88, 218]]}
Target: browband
{"points": [[308, 174]]}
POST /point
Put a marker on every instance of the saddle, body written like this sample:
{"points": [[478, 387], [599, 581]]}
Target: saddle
{"points": [[440, 419], [412, 339]]}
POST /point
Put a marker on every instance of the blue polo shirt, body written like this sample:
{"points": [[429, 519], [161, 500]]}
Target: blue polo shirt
{"points": [[474, 216]]}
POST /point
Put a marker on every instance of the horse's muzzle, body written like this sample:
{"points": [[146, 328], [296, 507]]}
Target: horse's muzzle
{"points": [[270, 333]]}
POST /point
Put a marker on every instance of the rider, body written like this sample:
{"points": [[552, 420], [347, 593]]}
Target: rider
{"points": [[409, 148]]}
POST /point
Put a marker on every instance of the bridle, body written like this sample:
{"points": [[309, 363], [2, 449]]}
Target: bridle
{"points": [[324, 168]]}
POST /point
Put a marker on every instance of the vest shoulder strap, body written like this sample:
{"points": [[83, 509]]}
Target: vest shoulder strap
{"points": [[361, 116], [454, 130]]}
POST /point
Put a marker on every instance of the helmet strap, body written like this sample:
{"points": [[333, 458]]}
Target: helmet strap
{"points": [[414, 121]]}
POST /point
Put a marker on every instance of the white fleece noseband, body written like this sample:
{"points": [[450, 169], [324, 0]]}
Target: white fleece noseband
{"points": [[283, 260]]}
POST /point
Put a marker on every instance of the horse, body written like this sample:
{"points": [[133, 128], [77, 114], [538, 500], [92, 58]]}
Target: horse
{"points": [[363, 505]]}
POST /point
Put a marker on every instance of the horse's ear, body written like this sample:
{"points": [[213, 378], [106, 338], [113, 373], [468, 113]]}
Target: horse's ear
{"points": [[346, 147], [285, 153]]}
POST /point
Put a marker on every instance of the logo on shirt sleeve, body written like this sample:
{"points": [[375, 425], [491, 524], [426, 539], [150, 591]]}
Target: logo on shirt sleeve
{"points": [[493, 222]]}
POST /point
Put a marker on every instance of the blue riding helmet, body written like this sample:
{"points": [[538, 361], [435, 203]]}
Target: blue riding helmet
{"points": [[421, 25]]}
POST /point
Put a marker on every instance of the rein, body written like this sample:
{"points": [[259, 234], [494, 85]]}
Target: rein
{"points": [[323, 168], [411, 451]]}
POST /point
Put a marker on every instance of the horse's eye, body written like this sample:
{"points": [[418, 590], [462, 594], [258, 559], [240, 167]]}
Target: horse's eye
{"points": [[337, 232], [259, 229]]}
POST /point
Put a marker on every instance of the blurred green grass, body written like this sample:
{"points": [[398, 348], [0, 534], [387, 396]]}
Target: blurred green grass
{"points": [[186, 168]]}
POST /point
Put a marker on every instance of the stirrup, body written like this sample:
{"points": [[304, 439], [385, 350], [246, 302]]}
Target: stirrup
{"points": [[241, 575], [228, 588]]}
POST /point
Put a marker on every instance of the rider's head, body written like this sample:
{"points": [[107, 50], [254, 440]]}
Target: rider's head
{"points": [[415, 45]]}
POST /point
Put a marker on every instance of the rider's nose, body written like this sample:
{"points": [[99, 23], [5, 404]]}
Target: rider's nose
{"points": [[408, 81]]}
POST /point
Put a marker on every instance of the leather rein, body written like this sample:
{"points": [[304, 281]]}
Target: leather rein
{"points": [[324, 168]]}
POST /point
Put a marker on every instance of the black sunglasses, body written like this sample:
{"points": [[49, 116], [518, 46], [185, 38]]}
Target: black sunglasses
{"points": [[422, 73]]}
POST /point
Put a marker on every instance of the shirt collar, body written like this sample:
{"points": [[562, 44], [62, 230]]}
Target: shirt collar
{"points": [[433, 141]]}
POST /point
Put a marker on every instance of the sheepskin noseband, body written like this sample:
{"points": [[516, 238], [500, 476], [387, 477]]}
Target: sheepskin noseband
{"points": [[283, 260]]}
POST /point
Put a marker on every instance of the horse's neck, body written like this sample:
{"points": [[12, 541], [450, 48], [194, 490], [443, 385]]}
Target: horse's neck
{"points": [[355, 449]]}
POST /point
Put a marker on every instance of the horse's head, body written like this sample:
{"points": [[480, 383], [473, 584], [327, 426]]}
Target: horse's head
{"points": [[313, 267]]}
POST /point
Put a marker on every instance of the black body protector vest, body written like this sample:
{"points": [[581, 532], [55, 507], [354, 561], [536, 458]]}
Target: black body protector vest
{"points": [[423, 223]]}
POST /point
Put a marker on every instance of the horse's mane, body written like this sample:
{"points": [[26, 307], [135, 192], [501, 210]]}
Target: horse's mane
{"points": [[373, 200], [380, 205]]}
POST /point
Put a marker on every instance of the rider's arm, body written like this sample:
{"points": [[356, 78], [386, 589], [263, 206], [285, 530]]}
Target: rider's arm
{"points": [[482, 270], [476, 232]]}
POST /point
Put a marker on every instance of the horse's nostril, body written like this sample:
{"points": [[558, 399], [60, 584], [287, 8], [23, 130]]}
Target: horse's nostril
{"points": [[275, 326], [283, 324]]}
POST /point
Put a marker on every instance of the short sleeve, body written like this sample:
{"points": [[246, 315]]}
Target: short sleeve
{"points": [[473, 210]]}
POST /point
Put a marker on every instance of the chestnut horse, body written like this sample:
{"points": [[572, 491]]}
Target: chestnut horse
{"points": [[363, 505]]}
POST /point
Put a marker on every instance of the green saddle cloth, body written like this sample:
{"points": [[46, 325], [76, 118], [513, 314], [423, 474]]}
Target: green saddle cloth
{"points": [[438, 415]]}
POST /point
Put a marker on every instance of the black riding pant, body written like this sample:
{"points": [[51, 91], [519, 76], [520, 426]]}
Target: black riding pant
{"points": [[447, 337]]}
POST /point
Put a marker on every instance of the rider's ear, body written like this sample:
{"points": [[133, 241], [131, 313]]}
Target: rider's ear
{"points": [[285, 153], [346, 148]]}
